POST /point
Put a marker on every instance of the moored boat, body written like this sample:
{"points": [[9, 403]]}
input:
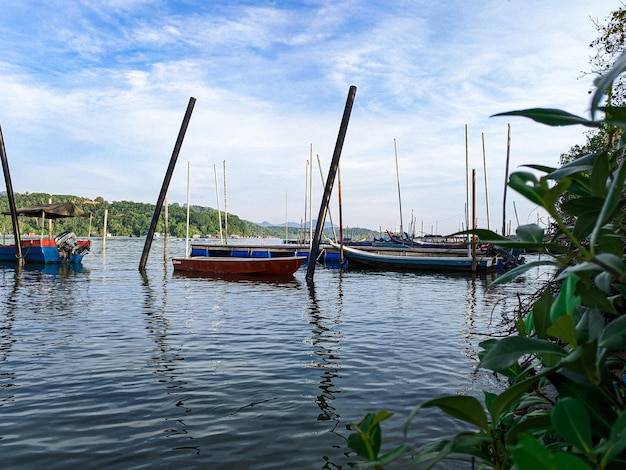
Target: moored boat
{"points": [[261, 267], [64, 248], [410, 260]]}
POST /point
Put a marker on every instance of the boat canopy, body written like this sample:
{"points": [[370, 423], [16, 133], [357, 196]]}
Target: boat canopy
{"points": [[52, 211]]}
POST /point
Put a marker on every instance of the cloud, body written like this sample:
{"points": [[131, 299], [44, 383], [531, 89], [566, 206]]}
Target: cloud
{"points": [[93, 97]]}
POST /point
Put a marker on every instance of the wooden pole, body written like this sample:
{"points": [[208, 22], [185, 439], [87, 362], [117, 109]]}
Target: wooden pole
{"points": [[311, 196], [395, 149], [330, 180], [188, 208], [166, 227], [467, 181], [486, 184], [166, 183], [217, 197], [473, 220], [104, 230], [330, 215], [225, 210], [11, 197], [506, 180]]}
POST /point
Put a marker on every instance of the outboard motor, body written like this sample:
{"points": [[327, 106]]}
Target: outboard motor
{"points": [[67, 245]]}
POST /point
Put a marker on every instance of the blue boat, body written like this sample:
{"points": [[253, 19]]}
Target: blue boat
{"points": [[64, 248]]}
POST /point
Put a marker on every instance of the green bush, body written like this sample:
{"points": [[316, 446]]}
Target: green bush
{"points": [[564, 406]]}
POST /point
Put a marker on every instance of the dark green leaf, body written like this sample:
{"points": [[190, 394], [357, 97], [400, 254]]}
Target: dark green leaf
{"points": [[566, 301], [530, 454], [465, 408], [521, 269], [530, 233], [600, 411], [509, 350], [614, 335], [605, 82], [563, 328], [541, 314], [550, 117], [600, 175], [571, 420]]}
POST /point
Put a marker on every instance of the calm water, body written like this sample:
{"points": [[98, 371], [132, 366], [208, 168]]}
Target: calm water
{"points": [[104, 367]]}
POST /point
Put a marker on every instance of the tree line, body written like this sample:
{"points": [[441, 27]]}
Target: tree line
{"points": [[132, 219]]}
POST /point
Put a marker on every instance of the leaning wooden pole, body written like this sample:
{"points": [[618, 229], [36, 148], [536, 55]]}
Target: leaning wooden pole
{"points": [[11, 196], [166, 184], [330, 181]]}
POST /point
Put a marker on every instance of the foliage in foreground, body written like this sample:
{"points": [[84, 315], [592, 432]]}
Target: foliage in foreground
{"points": [[564, 406]]}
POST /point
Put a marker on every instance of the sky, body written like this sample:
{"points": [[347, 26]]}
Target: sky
{"points": [[93, 95]]}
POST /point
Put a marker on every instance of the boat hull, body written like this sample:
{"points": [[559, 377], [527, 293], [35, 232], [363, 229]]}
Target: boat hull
{"points": [[40, 250], [410, 261], [264, 267]]}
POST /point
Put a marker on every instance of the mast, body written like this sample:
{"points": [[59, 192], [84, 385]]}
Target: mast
{"points": [[225, 211], [506, 180], [395, 148], [486, 184], [217, 197]]}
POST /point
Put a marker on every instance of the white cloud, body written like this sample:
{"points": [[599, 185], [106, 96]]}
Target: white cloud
{"points": [[103, 97]]}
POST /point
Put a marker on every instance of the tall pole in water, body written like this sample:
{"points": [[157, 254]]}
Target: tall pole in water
{"points": [[486, 184], [11, 196], [330, 181], [467, 181], [395, 149], [506, 180], [166, 184], [217, 198]]}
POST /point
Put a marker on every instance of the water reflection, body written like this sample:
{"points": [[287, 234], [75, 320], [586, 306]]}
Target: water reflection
{"points": [[326, 339], [165, 358], [10, 277]]}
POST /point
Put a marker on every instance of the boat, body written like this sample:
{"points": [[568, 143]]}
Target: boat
{"points": [[412, 260], [236, 265], [64, 248]]}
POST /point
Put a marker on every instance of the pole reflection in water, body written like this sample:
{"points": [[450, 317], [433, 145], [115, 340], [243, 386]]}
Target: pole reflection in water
{"points": [[326, 340], [166, 359]]}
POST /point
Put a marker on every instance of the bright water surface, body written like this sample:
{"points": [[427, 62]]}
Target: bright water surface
{"points": [[103, 367]]}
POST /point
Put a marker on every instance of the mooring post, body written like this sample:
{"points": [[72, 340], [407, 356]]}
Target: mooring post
{"points": [[328, 189], [11, 197], [166, 183]]}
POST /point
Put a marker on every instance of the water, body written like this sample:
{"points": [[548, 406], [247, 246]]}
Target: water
{"points": [[105, 367]]}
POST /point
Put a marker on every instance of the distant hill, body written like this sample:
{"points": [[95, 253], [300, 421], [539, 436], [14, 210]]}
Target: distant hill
{"points": [[127, 218]]}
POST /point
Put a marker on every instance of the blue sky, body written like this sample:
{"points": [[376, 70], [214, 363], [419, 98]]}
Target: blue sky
{"points": [[93, 95]]}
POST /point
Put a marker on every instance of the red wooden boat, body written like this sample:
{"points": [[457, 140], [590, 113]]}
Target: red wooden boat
{"points": [[261, 267]]}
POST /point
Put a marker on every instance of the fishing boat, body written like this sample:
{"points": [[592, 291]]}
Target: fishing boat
{"points": [[412, 260], [64, 248], [259, 267]]}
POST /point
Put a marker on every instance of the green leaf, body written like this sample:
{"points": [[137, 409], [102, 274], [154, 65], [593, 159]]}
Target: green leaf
{"points": [[600, 175], [510, 397], [571, 420], [366, 442], [530, 233], [577, 166], [563, 328], [508, 351], [465, 408], [521, 269], [612, 202], [566, 301], [541, 314], [605, 82], [550, 117], [616, 444], [530, 454], [614, 335], [601, 413]]}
